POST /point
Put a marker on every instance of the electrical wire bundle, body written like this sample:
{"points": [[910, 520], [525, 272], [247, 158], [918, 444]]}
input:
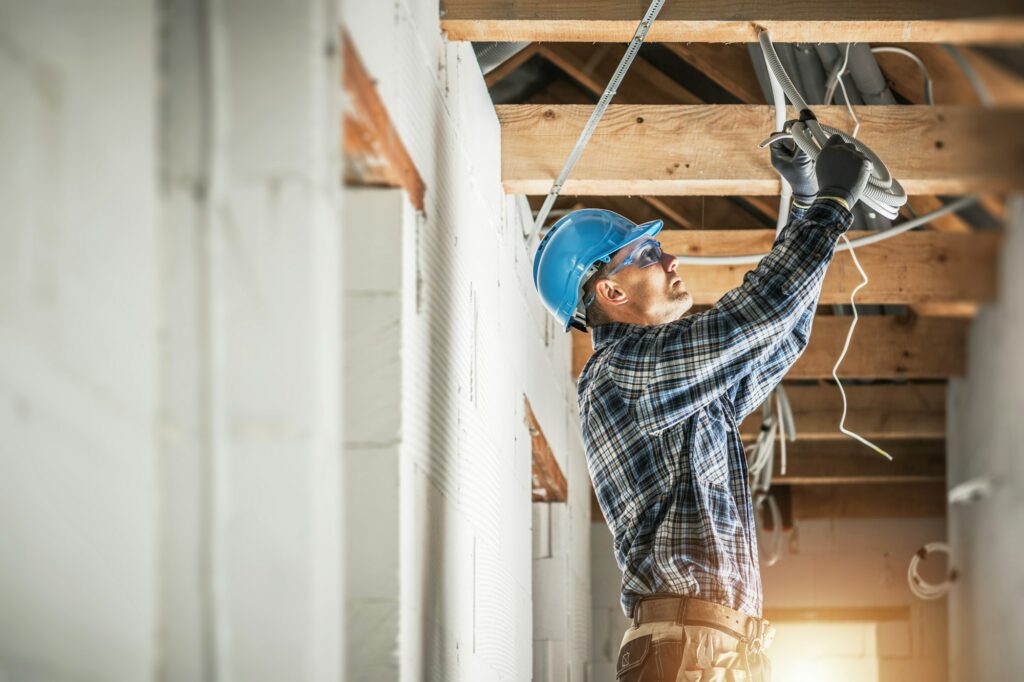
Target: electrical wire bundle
{"points": [[776, 422]]}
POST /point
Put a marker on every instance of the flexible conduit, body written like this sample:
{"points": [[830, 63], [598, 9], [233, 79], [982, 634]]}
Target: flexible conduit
{"points": [[595, 116], [883, 193]]}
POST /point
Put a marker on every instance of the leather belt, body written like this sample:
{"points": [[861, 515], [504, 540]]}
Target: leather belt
{"points": [[689, 611]]}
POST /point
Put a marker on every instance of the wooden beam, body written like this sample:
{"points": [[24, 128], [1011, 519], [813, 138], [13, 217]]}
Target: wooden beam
{"points": [[549, 483], [886, 348], [712, 149], [868, 501], [373, 151], [950, 222], [847, 462], [727, 65], [883, 348], [734, 21], [880, 411], [592, 67], [914, 267], [949, 83], [511, 64], [864, 614]]}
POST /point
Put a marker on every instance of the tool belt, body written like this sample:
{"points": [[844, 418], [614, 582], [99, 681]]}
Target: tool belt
{"points": [[755, 633]]}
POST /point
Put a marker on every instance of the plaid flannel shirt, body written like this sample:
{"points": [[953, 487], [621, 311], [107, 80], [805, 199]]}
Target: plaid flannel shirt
{"points": [[660, 408]]}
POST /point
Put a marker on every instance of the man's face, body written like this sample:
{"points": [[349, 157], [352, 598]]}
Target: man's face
{"points": [[643, 295]]}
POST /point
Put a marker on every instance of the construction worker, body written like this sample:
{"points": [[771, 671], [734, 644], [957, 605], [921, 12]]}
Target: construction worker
{"points": [[661, 400]]}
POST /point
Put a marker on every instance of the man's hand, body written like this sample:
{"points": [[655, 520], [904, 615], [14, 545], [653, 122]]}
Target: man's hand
{"points": [[842, 171], [796, 168]]}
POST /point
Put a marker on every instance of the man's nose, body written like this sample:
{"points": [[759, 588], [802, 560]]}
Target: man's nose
{"points": [[669, 262]]}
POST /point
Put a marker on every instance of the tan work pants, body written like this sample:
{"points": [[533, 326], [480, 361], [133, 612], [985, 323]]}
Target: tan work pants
{"points": [[668, 652]]}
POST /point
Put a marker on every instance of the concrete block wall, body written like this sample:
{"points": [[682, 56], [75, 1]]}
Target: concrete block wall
{"points": [[79, 352], [985, 434], [170, 348], [474, 341], [860, 563], [826, 563]]}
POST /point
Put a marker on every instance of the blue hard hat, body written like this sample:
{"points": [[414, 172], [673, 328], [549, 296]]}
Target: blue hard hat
{"points": [[575, 243]]}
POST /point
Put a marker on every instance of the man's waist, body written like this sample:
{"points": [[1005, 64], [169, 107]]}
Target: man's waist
{"points": [[689, 611]]}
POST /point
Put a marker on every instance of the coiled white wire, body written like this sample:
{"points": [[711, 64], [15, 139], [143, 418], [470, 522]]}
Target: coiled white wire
{"points": [[918, 586], [882, 193]]}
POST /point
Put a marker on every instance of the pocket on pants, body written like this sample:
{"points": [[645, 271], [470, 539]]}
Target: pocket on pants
{"points": [[632, 657]]}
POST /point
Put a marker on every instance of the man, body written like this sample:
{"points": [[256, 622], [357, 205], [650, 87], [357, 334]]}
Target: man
{"points": [[661, 400]]}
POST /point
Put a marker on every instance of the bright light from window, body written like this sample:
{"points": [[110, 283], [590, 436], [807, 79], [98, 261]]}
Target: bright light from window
{"points": [[837, 652]]}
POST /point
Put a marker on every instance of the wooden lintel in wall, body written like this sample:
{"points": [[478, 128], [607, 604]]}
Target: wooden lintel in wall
{"points": [[549, 484], [373, 152], [865, 614]]}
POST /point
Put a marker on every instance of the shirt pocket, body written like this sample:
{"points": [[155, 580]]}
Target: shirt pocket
{"points": [[709, 454]]}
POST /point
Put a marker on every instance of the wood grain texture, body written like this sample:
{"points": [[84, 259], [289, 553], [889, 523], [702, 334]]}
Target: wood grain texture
{"points": [[712, 149], [914, 267], [847, 462], [882, 348], [880, 411], [735, 20], [373, 151], [868, 501], [549, 484]]}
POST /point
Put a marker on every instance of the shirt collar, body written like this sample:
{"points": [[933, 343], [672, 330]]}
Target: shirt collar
{"points": [[606, 334]]}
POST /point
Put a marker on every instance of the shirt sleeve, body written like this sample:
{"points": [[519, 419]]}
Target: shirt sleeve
{"points": [[755, 331]]}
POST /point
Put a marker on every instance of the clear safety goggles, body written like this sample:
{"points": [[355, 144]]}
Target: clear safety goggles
{"points": [[644, 255]]}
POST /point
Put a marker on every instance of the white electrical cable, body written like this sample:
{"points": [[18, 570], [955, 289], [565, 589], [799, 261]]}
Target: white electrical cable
{"points": [[984, 96], [883, 192], [925, 590], [588, 130], [786, 195], [842, 356], [929, 97]]}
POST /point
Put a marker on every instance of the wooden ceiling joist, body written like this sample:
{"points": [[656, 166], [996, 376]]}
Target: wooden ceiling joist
{"points": [[712, 149], [868, 500], [592, 67], [913, 267], [848, 462], [877, 412], [883, 347], [735, 21]]}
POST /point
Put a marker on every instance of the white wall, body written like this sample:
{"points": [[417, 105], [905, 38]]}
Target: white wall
{"points": [[985, 435], [79, 362], [474, 341], [170, 352], [252, 294]]}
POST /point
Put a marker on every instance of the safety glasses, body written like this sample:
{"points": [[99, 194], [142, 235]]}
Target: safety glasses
{"points": [[645, 254]]}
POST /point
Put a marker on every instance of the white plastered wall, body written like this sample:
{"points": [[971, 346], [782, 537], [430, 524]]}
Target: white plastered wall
{"points": [[985, 434], [474, 340], [169, 341], [79, 363]]}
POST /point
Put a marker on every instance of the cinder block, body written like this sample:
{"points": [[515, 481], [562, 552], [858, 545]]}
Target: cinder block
{"points": [[550, 599], [893, 639], [371, 639], [549, 664], [814, 536], [371, 522]]}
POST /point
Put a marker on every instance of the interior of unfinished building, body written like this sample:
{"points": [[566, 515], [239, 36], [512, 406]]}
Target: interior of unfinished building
{"points": [[284, 396]]}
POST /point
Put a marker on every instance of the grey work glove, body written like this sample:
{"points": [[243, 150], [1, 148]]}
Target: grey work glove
{"points": [[796, 168], [842, 171]]}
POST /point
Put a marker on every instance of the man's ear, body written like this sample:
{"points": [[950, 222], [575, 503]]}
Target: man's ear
{"points": [[608, 293]]}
